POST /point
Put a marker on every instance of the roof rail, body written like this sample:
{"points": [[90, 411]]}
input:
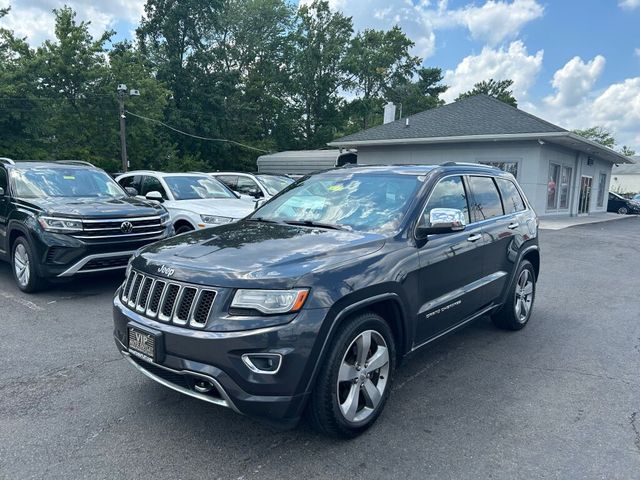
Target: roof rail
{"points": [[7, 161], [466, 164], [75, 162]]}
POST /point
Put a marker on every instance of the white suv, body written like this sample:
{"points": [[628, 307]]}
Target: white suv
{"points": [[193, 200], [254, 185]]}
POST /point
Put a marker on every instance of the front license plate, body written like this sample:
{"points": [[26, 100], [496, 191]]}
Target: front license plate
{"points": [[142, 344]]}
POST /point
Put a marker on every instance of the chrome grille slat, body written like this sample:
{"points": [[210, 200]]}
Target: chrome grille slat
{"points": [[168, 301], [100, 229]]}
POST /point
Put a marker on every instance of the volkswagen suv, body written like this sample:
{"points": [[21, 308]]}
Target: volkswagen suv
{"points": [[60, 219], [310, 303]]}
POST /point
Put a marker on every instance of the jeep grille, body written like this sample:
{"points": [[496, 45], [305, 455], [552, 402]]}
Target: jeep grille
{"points": [[167, 301]]}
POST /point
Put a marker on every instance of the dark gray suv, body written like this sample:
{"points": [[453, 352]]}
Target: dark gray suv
{"points": [[310, 303]]}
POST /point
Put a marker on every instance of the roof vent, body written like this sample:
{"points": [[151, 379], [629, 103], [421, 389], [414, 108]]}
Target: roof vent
{"points": [[406, 122], [389, 113]]}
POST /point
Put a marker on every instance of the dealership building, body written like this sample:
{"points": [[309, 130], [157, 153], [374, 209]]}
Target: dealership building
{"points": [[561, 172]]}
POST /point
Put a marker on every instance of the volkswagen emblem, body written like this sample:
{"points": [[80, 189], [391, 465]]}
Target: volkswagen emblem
{"points": [[126, 227]]}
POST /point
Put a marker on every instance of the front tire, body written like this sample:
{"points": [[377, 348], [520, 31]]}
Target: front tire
{"points": [[184, 228], [354, 383], [24, 267], [623, 210]]}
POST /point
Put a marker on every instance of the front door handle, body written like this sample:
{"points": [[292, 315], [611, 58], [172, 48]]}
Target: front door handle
{"points": [[474, 238], [513, 226]]}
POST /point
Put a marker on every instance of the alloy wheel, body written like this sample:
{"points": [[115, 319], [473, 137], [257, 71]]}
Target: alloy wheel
{"points": [[622, 210], [363, 376], [524, 296], [21, 265]]}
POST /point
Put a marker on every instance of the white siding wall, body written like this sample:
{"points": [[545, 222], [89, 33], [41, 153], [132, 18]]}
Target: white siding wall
{"points": [[627, 183], [532, 158]]}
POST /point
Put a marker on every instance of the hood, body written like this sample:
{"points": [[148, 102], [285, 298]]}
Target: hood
{"points": [[224, 207], [249, 253], [95, 207]]}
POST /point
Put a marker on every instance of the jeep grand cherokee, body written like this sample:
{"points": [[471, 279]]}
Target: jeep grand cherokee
{"points": [[59, 219], [312, 301]]}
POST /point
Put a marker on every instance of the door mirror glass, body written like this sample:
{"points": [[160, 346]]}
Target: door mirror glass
{"points": [[1, 192], [442, 220], [132, 192], [154, 196]]}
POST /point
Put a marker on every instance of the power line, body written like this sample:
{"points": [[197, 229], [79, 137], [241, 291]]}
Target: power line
{"points": [[207, 139]]}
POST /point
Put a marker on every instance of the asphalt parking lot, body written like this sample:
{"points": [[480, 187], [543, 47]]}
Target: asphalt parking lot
{"points": [[560, 399]]}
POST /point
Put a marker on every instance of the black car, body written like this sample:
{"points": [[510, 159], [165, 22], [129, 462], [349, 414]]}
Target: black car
{"points": [[311, 302], [621, 205], [59, 219]]}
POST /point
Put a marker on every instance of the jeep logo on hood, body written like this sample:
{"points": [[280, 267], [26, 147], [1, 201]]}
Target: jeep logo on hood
{"points": [[164, 270]]}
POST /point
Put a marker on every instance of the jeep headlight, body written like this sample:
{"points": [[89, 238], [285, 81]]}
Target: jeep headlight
{"points": [[271, 301], [215, 220], [60, 225]]}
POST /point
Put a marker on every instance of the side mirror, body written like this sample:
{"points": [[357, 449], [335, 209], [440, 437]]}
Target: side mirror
{"points": [[154, 196], [1, 192], [256, 193], [442, 220], [132, 192]]}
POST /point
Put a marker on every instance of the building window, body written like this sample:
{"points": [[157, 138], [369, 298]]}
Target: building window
{"points": [[565, 187], [602, 185], [509, 167], [552, 186]]}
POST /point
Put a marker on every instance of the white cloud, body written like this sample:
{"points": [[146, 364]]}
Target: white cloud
{"points": [[629, 4], [575, 80], [493, 22], [637, 52], [513, 62], [34, 18]]}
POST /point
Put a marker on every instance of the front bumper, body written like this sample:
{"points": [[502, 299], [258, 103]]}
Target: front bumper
{"points": [[190, 355], [64, 256]]}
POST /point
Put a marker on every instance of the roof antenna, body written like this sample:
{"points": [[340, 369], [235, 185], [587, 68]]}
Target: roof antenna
{"points": [[406, 122]]}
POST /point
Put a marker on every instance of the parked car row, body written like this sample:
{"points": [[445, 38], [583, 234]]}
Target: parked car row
{"points": [[304, 304], [623, 206], [60, 219]]}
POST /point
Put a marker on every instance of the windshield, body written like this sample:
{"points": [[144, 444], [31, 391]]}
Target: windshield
{"points": [[274, 184], [186, 187], [72, 182], [361, 201]]}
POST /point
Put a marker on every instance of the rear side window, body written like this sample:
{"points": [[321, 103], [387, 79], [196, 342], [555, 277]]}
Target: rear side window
{"points": [[152, 184], [511, 197], [486, 199], [448, 193], [229, 180], [3, 179]]}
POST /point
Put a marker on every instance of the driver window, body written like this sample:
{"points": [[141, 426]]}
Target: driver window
{"points": [[152, 184], [448, 193], [247, 186]]}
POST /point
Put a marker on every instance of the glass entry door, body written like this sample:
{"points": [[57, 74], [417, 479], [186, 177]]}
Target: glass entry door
{"points": [[585, 195]]}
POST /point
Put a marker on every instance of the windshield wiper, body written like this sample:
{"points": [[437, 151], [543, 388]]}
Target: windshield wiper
{"points": [[262, 219], [311, 223]]}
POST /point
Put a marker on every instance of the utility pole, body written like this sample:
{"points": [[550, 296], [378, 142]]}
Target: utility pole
{"points": [[122, 92]]}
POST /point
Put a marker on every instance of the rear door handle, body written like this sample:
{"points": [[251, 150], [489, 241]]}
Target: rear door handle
{"points": [[474, 238], [513, 226]]}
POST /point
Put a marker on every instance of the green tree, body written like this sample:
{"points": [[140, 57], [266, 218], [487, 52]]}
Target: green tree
{"points": [[500, 89], [420, 95], [627, 151], [377, 62], [321, 41], [598, 134]]}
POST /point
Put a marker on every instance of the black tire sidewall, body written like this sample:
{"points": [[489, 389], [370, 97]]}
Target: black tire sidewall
{"points": [[622, 210], [326, 387], [33, 283], [183, 229], [506, 317]]}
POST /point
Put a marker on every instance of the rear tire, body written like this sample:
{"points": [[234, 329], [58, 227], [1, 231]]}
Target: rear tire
{"points": [[24, 267], [516, 312], [355, 380]]}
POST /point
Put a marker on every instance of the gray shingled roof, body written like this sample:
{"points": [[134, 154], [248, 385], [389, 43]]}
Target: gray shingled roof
{"points": [[631, 169], [477, 115]]}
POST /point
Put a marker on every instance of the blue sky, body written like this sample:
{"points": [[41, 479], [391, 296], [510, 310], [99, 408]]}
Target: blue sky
{"points": [[574, 62]]}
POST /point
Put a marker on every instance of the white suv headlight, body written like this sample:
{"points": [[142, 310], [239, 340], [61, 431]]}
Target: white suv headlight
{"points": [[271, 301], [215, 220], [60, 225]]}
